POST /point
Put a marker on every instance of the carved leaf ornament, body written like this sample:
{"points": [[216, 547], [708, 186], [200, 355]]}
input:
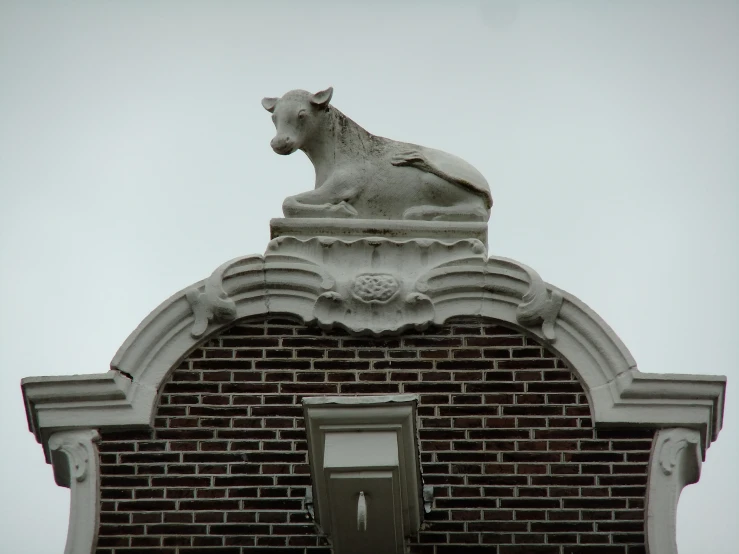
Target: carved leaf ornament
{"points": [[77, 452]]}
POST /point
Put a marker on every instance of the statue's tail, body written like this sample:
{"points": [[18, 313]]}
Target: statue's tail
{"points": [[448, 167]]}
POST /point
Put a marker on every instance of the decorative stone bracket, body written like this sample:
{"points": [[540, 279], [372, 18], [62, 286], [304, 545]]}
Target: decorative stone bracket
{"points": [[77, 466], [675, 462]]}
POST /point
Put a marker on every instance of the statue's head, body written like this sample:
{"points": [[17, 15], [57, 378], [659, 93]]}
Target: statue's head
{"points": [[296, 116]]}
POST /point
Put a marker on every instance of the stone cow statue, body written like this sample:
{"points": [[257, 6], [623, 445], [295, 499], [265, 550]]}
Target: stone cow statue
{"points": [[360, 175]]}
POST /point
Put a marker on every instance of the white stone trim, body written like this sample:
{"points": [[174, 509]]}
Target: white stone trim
{"points": [[675, 462], [361, 400], [446, 280], [76, 463]]}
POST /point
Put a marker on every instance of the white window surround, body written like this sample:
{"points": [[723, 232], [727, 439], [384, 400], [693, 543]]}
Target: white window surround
{"points": [[306, 277], [365, 469]]}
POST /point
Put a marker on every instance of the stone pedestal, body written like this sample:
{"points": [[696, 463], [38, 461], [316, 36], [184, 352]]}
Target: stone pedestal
{"points": [[441, 231]]}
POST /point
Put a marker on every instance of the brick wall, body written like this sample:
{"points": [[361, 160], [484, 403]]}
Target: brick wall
{"points": [[506, 441]]}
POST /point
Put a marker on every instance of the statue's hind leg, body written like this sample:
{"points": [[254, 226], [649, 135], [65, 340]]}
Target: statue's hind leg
{"points": [[460, 212]]}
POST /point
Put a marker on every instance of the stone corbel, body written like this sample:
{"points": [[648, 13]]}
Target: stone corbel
{"points": [[76, 465], [675, 463]]}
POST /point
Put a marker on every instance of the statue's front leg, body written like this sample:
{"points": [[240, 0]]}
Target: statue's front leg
{"points": [[317, 203]]}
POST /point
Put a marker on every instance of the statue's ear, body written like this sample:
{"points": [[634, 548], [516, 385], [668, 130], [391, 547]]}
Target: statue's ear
{"points": [[269, 104], [321, 99]]}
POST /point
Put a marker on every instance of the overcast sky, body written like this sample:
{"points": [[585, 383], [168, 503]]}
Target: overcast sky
{"points": [[135, 158]]}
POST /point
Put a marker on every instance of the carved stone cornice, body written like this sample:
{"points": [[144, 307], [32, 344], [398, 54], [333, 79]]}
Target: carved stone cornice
{"points": [[77, 466], [675, 462], [81, 401], [665, 400]]}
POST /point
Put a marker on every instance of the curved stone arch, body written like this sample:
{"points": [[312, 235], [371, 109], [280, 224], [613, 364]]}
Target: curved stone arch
{"points": [[494, 289]]}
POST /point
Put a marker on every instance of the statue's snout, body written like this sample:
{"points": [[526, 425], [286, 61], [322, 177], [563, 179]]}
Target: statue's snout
{"points": [[283, 144]]}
